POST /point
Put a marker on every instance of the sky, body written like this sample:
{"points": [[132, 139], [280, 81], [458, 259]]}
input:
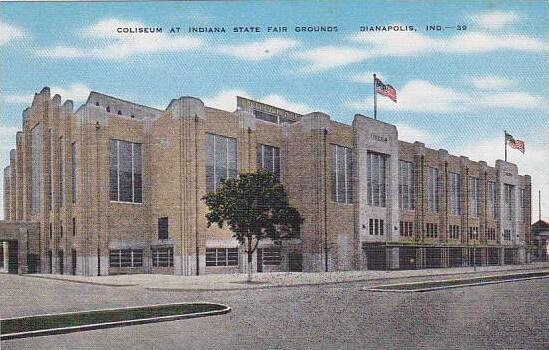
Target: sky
{"points": [[457, 89]]}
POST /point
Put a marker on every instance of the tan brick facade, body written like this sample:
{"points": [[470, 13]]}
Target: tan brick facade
{"points": [[335, 235]]}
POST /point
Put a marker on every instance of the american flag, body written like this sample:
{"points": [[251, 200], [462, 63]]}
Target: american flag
{"points": [[385, 90], [513, 143]]}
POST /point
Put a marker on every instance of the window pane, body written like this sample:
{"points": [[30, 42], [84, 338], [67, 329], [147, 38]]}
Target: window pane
{"points": [[349, 174], [231, 157], [113, 151], [137, 176], [210, 163], [220, 160], [36, 168], [125, 170]]}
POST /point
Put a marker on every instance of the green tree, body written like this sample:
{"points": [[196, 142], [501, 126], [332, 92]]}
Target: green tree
{"points": [[254, 206]]}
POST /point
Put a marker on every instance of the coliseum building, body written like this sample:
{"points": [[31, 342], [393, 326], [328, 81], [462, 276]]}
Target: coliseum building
{"points": [[116, 187]]}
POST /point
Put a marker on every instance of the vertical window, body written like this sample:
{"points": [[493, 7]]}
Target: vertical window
{"points": [[377, 227], [509, 199], [474, 189], [342, 178], [432, 190], [507, 235], [221, 160], [376, 179], [406, 186], [455, 194], [73, 227], [125, 171], [36, 168], [74, 173], [50, 170], [163, 228], [61, 171], [492, 199], [268, 158], [523, 206]]}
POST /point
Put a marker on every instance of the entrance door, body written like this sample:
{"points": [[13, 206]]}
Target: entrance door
{"points": [[13, 259], [60, 260], [295, 262], [73, 258], [259, 259]]}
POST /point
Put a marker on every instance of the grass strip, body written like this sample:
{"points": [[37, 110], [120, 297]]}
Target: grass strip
{"points": [[434, 284], [45, 322]]}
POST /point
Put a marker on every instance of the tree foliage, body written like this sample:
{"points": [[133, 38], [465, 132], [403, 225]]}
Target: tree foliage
{"points": [[254, 206]]}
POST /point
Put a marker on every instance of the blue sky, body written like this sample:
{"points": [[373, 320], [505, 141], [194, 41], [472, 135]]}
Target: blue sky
{"points": [[456, 89]]}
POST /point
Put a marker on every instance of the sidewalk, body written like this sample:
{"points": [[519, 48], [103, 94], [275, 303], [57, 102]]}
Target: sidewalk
{"points": [[277, 279]]}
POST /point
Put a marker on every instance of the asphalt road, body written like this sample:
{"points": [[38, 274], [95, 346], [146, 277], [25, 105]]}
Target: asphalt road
{"points": [[500, 316]]}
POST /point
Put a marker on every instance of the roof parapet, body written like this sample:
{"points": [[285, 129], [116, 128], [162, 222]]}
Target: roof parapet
{"points": [[187, 107]]}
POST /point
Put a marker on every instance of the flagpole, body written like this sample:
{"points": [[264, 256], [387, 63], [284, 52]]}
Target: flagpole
{"points": [[505, 138], [375, 98]]}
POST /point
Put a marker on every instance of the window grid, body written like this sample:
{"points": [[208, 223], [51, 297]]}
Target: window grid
{"points": [[221, 162], [473, 232], [377, 227], [130, 191], [268, 158], [406, 186], [509, 201], [272, 256], [453, 231], [493, 199], [455, 194], [431, 230], [406, 228], [342, 186], [126, 257], [433, 190], [221, 256], [162, 256], [474, 188], [507, 235], [376, 179]]}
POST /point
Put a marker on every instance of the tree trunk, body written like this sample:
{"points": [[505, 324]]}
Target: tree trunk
{"points": [[249, 259]]}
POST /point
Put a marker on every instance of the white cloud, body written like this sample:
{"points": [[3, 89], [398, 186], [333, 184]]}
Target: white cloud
{"points": [[368, 45], [9, 32], [483, 42], [491, 82], [17, 99], [419, 96], [259, 50], [411, 134], [519, 100], [365, 77], [76, 92], [226, 100], [282, 102], [424, 96], [107, 43], [326, 57], [495, 19]]}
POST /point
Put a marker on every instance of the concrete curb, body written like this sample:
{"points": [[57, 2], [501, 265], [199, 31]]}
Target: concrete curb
{"points": [[296, 285], [429, 289], [163, 289], [82, 282], [104, 325]]}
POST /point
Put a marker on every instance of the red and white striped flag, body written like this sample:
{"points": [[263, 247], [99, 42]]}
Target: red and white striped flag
{"points": [[513, 143], [385, 90]]}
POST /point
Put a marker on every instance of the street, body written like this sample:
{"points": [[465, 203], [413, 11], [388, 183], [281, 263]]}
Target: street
{"points": [[341, 316]]}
